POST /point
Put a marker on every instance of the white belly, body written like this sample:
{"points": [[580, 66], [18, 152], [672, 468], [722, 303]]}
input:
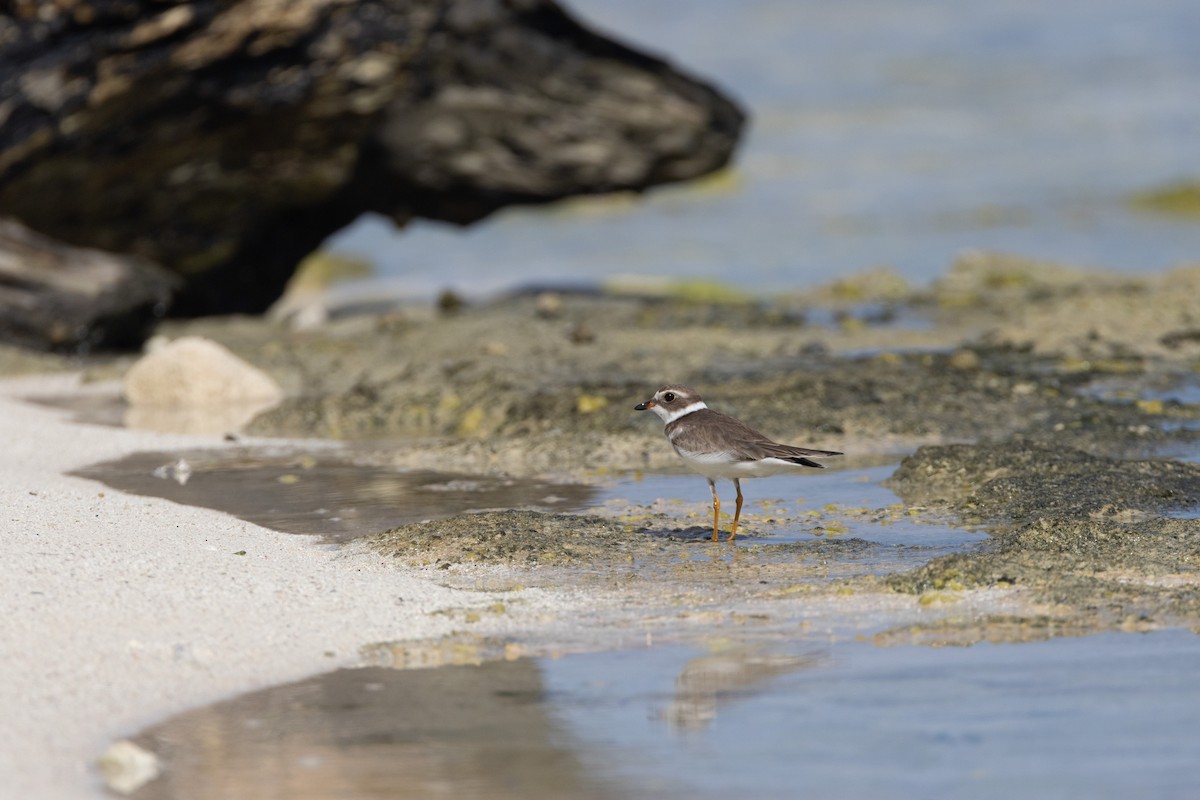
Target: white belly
{"points": [[721, 465]]}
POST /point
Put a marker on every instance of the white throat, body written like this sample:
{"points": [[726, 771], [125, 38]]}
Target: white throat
{"points": [[669, 416]]}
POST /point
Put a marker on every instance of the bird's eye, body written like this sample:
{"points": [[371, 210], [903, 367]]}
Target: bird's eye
{"points": [[669, 397]]}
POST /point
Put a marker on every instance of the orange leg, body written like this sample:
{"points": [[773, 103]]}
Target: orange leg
{"points": [[737, 512], [716, 510]]}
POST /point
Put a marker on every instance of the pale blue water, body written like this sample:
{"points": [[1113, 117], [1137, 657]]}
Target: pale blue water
{"points": [[1171, 390], [1106, 716], [790, 497], [1182, 389], [883, 132]]}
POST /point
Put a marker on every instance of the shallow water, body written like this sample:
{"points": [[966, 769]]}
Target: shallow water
{"points": [[339, 496], [1110, 715], [904, 318], [1172, 388], [883, 132], [844, 494], [1098, 717], [323, 492]]}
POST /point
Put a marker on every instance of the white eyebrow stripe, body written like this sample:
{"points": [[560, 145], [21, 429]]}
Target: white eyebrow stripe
{"points": [[683, 412]]}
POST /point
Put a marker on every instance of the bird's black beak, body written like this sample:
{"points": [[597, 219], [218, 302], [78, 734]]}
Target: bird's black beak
{"points": [[644, 406]]}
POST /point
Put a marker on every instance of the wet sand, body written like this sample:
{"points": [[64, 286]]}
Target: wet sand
{"points": [[125, 609]]}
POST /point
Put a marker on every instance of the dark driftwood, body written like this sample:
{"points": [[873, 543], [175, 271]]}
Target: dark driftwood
{"points": [[57, 297], [225, 139]]}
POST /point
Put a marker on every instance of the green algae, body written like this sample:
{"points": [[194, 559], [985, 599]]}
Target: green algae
{"points": [[1181, 199]]}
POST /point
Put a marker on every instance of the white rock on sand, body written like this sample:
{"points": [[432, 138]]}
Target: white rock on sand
{"points": [[195, 385], [118, 611]]}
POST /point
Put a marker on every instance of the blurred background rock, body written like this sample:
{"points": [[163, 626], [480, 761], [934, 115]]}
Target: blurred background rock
{"points": [[225, 142]]}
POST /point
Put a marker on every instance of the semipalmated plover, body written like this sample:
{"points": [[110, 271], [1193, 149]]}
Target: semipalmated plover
{"points": [[719, 446]]}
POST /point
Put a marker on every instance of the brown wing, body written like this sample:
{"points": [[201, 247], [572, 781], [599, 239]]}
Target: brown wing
{"points": [[751, 445], [796, 454]]}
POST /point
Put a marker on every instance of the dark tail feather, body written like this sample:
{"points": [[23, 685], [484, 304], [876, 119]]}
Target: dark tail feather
{"points": [[806, 462]]}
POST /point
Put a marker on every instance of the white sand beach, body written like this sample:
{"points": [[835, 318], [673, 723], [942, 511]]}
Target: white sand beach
{"points": [[120, 610]]}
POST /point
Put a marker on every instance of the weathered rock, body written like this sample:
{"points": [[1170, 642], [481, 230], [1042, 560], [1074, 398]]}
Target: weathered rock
{"points": [[127, 767], [55, 297], [225, 141], [195, 371], [195, 385]]}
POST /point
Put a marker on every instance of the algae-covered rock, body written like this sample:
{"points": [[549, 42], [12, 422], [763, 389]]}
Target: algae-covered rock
{"points": [[1092, 535], [519, 538], [1020, 481]]}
